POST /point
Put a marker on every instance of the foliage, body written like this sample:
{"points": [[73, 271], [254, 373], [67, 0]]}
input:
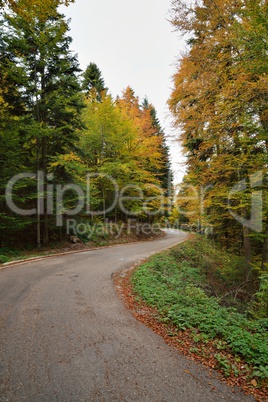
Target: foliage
{"points": [[124, 141], [178, 284], [93, 83], [3, 258], [259, 306], [41, 93], [66, 129], [219, 102]]}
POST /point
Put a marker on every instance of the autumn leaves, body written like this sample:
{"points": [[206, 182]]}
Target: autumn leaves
{"points": [[219, 103]]}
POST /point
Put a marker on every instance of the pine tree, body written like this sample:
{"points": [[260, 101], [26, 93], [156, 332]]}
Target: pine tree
{"points": [[165, 174], [38, 64], [93, 84]]}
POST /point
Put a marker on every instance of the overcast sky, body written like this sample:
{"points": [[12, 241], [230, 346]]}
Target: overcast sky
{"points": [[132, 43]]}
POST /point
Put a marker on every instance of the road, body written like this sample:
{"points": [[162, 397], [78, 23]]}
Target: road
{"points": [[66, 336]]}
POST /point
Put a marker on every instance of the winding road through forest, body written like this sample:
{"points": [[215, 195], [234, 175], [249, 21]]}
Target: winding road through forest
{"points": [[66, 336]]}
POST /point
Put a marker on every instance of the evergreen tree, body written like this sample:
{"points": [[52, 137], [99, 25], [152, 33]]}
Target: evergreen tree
{"points": [[45, 93], [93, 83], [164, 174]]}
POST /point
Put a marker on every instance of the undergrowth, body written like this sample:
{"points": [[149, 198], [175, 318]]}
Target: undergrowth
{"points": [[187, 283]]}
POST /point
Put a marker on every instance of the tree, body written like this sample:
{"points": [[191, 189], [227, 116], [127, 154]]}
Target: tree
{"points": [[165, 174], [37, 62], [147, 147], [24, 7], [122, 141], [219, 102], [93, 83]]}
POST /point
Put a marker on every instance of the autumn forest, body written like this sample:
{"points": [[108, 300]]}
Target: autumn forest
{"points": [[68, 148], [61, 126]]}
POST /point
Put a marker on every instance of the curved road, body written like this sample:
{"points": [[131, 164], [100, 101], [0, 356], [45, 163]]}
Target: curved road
{"points": [[65, 336]]}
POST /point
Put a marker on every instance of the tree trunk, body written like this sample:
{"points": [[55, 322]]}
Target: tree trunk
{"points": [[103, 202], [44, 166], [264, 265], [38, 214], [247, 250]]}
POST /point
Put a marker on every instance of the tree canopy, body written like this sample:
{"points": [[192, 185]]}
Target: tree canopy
{"points": [[219, 102], [59, 126]]}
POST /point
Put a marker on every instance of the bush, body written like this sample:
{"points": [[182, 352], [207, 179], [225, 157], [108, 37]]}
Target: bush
{"points": [[174, 282], [3, 259]]}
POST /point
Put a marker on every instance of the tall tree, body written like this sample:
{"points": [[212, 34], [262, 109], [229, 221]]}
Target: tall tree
{"points": [[164, 174], [36, 60], [122, 142], [147, 143], [219, 104], [93, 84], [147, 147]]}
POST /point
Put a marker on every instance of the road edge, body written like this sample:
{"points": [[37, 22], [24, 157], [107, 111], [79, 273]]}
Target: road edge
{"points": [[86, 250]]}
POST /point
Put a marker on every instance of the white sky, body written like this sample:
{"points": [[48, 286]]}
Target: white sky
{"points": [[133, 44]]}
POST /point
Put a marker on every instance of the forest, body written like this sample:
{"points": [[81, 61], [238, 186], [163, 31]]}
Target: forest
{"points": [[219, 104], [68, 148], [209, 295], [73, 156]]}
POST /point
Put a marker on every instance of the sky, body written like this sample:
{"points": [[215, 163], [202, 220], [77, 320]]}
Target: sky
{"points": [[133, 44]]}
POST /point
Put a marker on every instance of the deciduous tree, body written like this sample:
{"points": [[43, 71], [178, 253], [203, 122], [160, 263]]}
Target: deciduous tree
{"points": [[219, 102]]}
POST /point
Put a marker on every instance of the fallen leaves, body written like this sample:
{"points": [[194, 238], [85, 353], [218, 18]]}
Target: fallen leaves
{"points": [[183, 340]]}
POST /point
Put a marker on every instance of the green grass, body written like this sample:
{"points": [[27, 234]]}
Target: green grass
{"points": [[180, 284], [7, 255]]}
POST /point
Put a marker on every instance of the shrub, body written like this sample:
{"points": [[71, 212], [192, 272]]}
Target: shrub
{"points": [[174, 282]]}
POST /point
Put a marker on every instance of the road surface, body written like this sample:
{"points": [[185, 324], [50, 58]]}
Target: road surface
{"points": [[65, 336]]}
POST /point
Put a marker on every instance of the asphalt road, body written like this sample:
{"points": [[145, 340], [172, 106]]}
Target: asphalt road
{"points": [[65, 336]]}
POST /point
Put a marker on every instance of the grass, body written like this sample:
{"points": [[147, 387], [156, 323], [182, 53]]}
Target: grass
{"points": [[186, 284], [10, 254]]}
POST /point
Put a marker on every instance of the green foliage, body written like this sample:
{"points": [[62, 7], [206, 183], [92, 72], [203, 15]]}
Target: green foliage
{"points": [[3, 259], [42, 97], [259, 306], [96, 233], [175, 282], [51, 124], [225, 365], [93, 83]]}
